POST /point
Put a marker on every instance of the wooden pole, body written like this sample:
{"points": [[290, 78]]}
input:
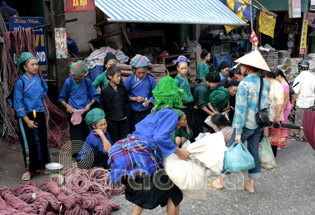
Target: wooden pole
{"points": [[254, 47], [251, 15], [54, 14]]}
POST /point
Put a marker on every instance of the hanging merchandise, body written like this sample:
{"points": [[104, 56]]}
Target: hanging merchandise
{"points": [[241, 9], [267, 23], [304, 34], [253, 38]]}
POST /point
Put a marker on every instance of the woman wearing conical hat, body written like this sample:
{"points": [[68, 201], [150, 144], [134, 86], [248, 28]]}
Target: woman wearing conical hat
{"points": [[244, 122]]}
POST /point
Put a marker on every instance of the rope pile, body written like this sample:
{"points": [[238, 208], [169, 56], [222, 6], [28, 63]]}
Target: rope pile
{"points": [[84, 192], [17, 42]]}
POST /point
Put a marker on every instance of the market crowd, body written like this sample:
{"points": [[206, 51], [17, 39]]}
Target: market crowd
{"points": [[135, 124]]}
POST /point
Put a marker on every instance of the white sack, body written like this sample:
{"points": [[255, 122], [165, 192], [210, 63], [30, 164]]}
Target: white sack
{"points": [[210, 151], [190, 176]]}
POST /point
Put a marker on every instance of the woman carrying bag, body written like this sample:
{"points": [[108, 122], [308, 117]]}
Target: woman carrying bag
{"points": [[245, 124]]}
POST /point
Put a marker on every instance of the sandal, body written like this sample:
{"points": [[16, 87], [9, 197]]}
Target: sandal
{"points": [[26, 176], [45, 172], [294, 135], [301, 139]]}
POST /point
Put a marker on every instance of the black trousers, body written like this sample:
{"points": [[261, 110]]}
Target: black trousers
{"points": [[34, 142], [79, 132], [100, 160], [199, 116], [136, 117], [118, 129]]}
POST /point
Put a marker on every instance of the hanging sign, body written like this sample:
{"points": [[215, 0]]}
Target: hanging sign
{"points": [[79, 5], [61, 43], [19, 23], [296, 8], [253, 38], [304, 34]]}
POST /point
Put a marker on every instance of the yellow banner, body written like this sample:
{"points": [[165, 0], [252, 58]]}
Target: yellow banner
{"points": [[303, 42]]}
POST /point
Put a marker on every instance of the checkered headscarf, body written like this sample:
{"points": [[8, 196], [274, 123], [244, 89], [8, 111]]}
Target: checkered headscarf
{"points": [[140, 61], [78, 68], [94, 116], [181, 59]]}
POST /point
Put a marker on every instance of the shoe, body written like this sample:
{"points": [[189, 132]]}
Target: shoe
{"points": [[45, 172], [26, 176], [301, 139], [74, 164]]}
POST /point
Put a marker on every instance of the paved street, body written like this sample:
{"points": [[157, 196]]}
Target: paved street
{"points": [[288, 190]]}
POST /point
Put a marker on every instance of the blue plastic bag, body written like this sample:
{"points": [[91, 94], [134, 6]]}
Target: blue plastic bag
{"points": [[238, 159]]}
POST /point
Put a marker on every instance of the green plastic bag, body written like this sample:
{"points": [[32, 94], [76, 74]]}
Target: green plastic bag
{"points": [[266, 157]]}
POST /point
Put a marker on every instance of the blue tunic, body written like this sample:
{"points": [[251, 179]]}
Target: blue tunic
{"points": [[29, 95], [93, 141], [158, 129], [141, 88], [78, 94]]}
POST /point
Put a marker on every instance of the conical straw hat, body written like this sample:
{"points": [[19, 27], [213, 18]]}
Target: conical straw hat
{"points": [[254, 59]]}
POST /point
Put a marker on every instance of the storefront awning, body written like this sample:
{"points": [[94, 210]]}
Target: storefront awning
{"points": [[169, 11]]}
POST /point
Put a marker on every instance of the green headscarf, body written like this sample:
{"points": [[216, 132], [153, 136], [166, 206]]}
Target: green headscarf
{"points": [[25, 57], [78, 68], [179, 113], [94, 116], [167, 95]]}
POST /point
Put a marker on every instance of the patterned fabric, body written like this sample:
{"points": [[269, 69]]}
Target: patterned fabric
{"points": [[78, 68], [109, 57], [94, 116], [25, 57], [227, 134], [276, 97], [140, 61], [247, 102], [135, 156], [167, 95], [96, 58], [181, 59]]}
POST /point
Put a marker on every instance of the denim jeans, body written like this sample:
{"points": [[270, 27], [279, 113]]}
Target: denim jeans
{"points": [[252, 136]]}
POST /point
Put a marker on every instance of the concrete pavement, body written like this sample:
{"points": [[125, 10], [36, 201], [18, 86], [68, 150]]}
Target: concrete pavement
{"points": [[288, 190]]}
